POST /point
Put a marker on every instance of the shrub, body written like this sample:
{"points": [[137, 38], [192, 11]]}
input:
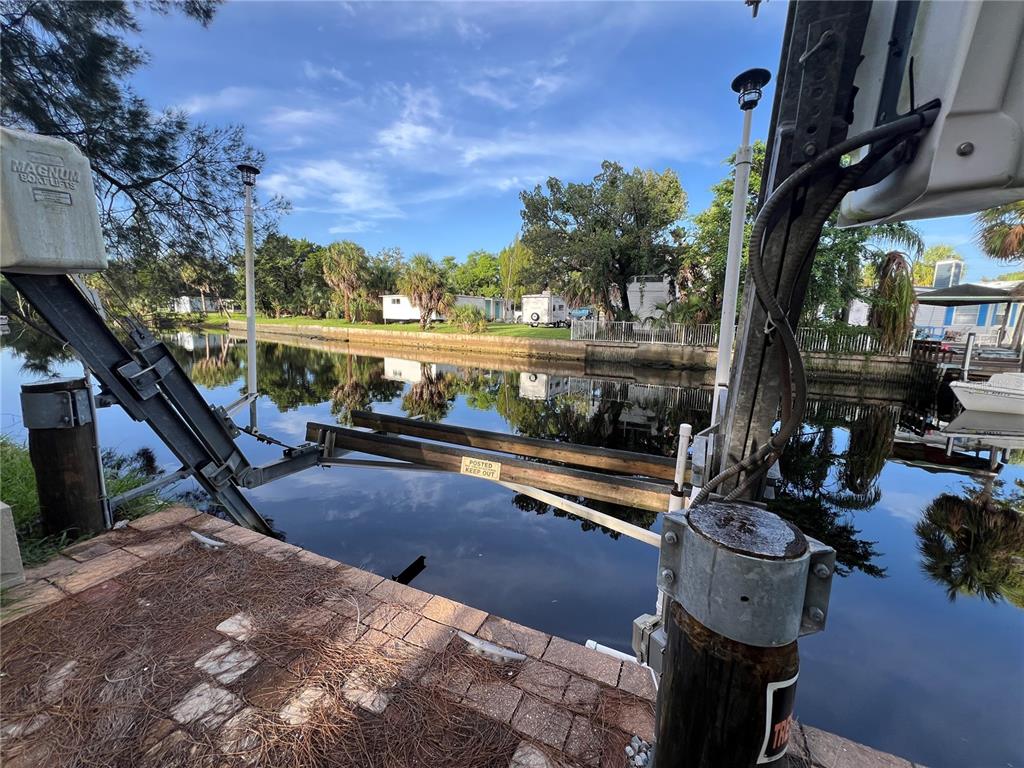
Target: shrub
{"points": [[468, 318]]}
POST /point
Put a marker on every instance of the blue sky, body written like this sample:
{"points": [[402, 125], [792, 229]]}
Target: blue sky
{"points": [[417, 124]]}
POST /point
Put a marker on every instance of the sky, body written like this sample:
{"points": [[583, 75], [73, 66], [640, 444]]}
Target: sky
{"points": [[417, 124]]}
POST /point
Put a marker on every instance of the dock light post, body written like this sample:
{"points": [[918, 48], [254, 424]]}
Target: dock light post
{"points": [[249, 174], [748, 85]]}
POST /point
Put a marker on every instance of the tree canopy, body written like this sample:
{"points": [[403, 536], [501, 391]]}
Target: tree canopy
{"points": [[477, 276], [424, 282], [166, 188], [607, 231], [1000, 232]]}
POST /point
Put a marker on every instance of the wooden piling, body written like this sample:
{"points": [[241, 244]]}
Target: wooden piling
{"points": [[63, 449]]}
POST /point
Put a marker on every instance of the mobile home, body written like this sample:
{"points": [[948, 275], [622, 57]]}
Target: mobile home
{"points": [[398, 308], [645, 292], [544, 309], [542, 386]]}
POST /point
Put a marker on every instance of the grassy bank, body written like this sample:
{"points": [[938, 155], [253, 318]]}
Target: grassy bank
{"points": [[18, 490], [517, 330]]}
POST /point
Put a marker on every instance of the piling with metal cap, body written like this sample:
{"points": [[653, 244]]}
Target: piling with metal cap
{"points": [[743, 585], [62, 445]]}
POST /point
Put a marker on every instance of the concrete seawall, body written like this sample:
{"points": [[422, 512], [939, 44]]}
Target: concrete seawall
{"points": [[584, 352], [592, 358]]}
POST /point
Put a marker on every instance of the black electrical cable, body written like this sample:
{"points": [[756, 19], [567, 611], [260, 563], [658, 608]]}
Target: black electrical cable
{"points": [[776, 313]]}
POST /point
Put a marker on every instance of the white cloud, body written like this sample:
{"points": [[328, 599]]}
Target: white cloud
{"points": [[470, 32], [360, 196], [230, 98], [404, 136], [420, 108], [529, 85], [285, 118], [317, 72], [488, 91]]}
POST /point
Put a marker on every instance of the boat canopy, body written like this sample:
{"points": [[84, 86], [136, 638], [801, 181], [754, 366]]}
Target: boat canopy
{"points": [[967, 294]]}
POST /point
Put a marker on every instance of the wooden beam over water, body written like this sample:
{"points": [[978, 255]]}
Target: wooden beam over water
{"points": [[627, 491], [621, 462]]}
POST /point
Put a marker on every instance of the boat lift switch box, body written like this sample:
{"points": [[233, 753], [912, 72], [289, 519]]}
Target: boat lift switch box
{"points": [[49, 224]]}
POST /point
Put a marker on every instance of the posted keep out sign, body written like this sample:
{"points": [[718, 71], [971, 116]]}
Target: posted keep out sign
{"points": [[778, 718]]}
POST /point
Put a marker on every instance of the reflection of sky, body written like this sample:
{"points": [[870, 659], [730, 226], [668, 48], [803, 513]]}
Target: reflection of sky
{"points": [[899, 667]]}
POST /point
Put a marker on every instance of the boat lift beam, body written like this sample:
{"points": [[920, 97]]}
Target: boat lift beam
{"points": [[152, 387]]}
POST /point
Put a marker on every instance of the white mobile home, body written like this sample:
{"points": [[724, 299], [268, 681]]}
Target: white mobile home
{"points": [[182, 305], [645, 292], [398, 308], [544, 309], [542, 386]]}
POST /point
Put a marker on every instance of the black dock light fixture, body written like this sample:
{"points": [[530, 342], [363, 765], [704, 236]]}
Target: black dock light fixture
{"points": [[250, 172], [749, 85]]}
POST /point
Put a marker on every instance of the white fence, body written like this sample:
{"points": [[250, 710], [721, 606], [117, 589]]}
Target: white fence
{"points": [[705, 335], [845, 341], [839, 341]]}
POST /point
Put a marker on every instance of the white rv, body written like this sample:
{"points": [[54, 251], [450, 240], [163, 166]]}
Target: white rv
{"points": [[545, 309]]}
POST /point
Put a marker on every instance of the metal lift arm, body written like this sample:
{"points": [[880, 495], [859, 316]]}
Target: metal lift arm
{"points": [[150, 385]]}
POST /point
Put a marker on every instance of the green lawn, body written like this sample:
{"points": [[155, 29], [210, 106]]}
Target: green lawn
{"points": [[493, 329]]}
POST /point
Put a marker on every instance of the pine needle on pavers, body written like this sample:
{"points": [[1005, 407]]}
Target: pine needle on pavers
{"points": [[229, 657]]}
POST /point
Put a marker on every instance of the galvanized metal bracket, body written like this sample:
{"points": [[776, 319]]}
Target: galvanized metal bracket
{"points": [[145, 381], [55, 410], [759, 601]]}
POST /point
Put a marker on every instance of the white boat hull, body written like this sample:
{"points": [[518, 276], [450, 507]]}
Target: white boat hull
{"points": [[982, 396]]}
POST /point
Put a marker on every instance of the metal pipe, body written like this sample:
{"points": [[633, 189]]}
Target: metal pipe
{"points": [[730, 292], [250, 298], [633, 531]]}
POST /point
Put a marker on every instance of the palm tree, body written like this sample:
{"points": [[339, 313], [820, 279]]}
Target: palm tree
{"points": [[346, 269], [892, 310], [1000, 231], [424, 283]]}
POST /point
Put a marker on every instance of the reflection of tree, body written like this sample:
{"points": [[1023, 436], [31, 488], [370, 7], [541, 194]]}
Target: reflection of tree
{"points": [[216, 370], [362, 384], [974, 544], [39, 353], [639, 517], [812, 499], [871, 442], [292, 376], [602, 420], [431, 396]]}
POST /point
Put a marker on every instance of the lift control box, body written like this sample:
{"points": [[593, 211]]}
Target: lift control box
{"points": [[969, 55], [49, 224]]}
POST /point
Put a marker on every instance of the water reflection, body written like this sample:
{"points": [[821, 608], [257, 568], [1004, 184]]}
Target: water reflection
{"points": [[973, 543]]}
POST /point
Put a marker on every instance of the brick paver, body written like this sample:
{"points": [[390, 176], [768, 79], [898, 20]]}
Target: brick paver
{"points": [[240, 677], [457, 615], [542, 679], [542, 721], [514, 636], [583, 661]]}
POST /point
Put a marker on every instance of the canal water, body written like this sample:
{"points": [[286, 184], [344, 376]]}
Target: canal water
{"points": [[924, 651]]}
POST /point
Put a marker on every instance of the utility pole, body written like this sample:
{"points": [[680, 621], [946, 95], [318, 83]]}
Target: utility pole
{"points": [[249, 173], [749, 86]]}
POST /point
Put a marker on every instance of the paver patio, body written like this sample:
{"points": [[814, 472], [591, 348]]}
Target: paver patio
{"points": [[345, 667]]}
